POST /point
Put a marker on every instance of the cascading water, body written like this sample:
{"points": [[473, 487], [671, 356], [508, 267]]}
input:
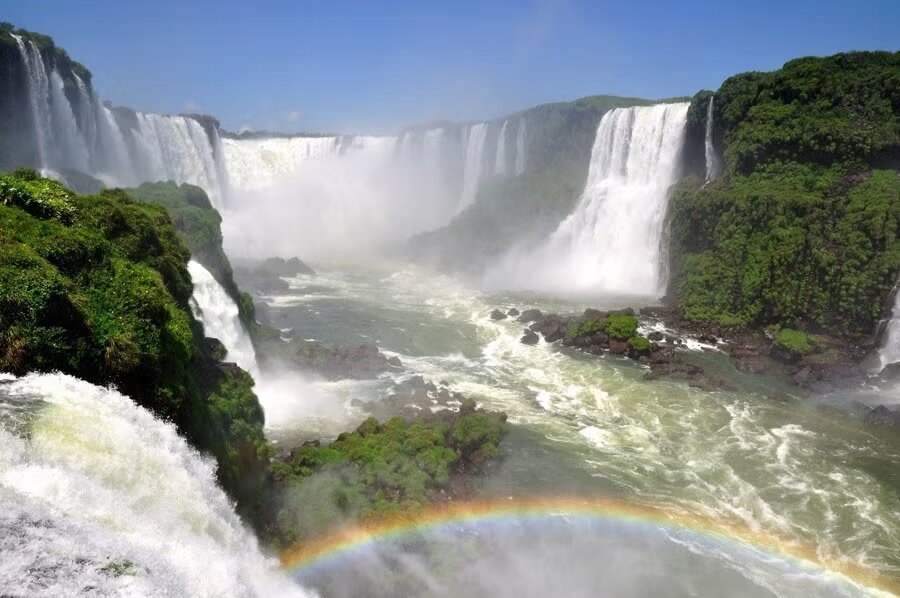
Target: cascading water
{"points": [[38, 94], [611, 242], [99, 496], [91, 140], [889, 352], [255, 164], [472, 165], [520, 147], [219, 315], [712, 160], [500, 162]]}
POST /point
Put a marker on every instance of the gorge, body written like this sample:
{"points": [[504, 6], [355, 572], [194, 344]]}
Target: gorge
{"points": [[493, 302]]}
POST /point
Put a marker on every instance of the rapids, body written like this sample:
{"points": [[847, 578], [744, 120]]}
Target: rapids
{"points": [[588, 426]]}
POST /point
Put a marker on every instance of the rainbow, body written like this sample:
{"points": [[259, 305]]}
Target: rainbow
{"points": [[346, 542]]}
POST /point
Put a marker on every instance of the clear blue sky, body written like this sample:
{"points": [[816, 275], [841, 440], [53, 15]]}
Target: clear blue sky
{"points": [[375, 66]]}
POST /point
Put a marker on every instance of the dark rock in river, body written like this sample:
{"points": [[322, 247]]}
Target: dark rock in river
{"points": [[291, 267], [530, 315], [513, 312], [498, 315], [364, 361], [882, 416], [530, 337]]}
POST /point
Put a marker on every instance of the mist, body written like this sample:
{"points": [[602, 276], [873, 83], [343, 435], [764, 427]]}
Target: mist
{"points": [[332, 202]]}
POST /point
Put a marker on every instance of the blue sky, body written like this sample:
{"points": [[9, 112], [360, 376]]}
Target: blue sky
{"points": [[373, 66]]}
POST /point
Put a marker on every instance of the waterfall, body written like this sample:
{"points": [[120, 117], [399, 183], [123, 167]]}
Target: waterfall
{"points": [[890, 347], [520, 148], [500, 162], [91, 140], [611, 243], [255, 164], [69, 147], [219, 315], [38, 95], [97, 495], [472, 164], [433, 149], [712, 160]]}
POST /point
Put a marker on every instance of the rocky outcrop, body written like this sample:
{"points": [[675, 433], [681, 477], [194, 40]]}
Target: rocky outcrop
{"points": [[335, 363]]}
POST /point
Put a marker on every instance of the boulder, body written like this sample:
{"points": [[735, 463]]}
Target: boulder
{"points": [[530, 337], [498, 315], [618, 347], [530, 315], [882, 416], [513, 312]]}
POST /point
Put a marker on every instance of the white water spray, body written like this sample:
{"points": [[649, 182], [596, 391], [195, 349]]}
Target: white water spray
{"points": [[712, 160], [520, 147], [890, 347], [219, 315], [500, 162], [474, 158], [99, 496], [611, 242]]}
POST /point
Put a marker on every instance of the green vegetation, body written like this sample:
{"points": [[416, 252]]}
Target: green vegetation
{"points": [[382, 469], [793, 341], [97, 287], [805, 225], [584, 328], [39, 197], [620, 326], [198, 225], [639, 344]]}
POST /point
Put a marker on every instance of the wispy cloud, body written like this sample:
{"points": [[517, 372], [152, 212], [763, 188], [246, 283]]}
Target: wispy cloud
{"points": [[293, 116]]}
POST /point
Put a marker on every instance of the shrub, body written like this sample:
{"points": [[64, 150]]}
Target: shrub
{"points": [[793, 341], [639, 343], [620, 326]]}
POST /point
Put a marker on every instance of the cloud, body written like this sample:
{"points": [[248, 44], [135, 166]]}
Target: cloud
{"points": [[191, 105], [293, 116]]}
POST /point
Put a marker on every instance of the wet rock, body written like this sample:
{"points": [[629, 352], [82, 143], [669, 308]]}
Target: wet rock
{"points": [[531, 315], [656, 335], [882, 416], [513, 312], [364, 361], [530, 337], [553, 327], [498, 315], [395, 361], [290, 267], [618, 347], [751, 365]]}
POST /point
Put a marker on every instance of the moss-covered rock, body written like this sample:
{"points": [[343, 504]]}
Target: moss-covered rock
{"points": [[382, 469], [620, 326]]}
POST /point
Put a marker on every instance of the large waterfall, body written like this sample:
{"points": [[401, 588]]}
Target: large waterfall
{"points": [[611, 243], [219, 315], [120, 149], [712, 160], [99, 496], [890, 346], [255, 164], [520, 147]]}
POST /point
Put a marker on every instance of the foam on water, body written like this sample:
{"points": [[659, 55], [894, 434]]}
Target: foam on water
{"points": [[98, 496]]}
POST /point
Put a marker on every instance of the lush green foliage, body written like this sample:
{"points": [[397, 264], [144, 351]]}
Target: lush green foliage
{"points": [[585, 327], [840, 109], [105, 298], [199, 226], [39, 197], [381, 469], [787, 245], [793, 341], [639, 343], [805, 225], [620, 326]]}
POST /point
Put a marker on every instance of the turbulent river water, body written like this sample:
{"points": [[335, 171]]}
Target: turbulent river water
{"points": [[592, 426]]}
